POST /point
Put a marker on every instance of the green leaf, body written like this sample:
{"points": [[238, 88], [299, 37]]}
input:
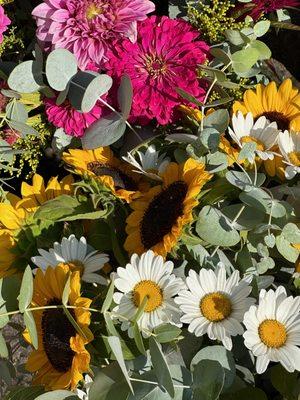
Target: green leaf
{"points": [[291, 232], [58, 395], [116, 348], [263, 50], [138, 339], [220, 55], [166, 333], [8, 300], [24, 393], [66, 291], [22, 128], [190, 98], [264, 265], [220, 354], [210, 138], [243, 60], [218, 120], [247, 152], [261, 28], [125, 96], [31, 327], [248, 393], [3, 347], [160, 367], [86, 88], [219, 102], [216, 162], [208, 380], [284, 247], [242, 181], [16, 111], [26, 77], [248, 219], [214, 73], [109, 384], [104, 132], [261, 200], [234, 37], [141, 309], [26, 290], [61, 66], [213, 227], [109, 297]]}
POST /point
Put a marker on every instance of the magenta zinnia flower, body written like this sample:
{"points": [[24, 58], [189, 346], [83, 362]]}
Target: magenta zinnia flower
{"points": [[264, 7], [164, 58], [4, 22], [88, 27], [72, 121]]}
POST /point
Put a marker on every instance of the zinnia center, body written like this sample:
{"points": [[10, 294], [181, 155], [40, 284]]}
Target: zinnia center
{"points": [[283, 122], [57, 331], [155, 66], [295, 158], [121, 180], [250, 139], [272, 333], [162, 213], [215, 306], [93, 11], [148, 289]]}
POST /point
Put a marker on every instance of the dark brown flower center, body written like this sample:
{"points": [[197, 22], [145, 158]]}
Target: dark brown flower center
{"points": [[162, 213], [121, 180], [282, 121], [57, 331]]}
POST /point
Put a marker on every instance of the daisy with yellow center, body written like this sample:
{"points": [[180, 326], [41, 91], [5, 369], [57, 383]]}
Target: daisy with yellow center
{"points": [[289, 145], [147, 277], [14, 213], [160, 214], [273, 328], [76, 254], [215, 305], [61, 357], [101, 164], [263, 133], [280, 105]]}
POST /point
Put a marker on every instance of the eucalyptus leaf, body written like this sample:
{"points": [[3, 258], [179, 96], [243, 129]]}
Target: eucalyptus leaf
{"points": [[216, 162], [248, 218], [26, 77], [104, 132], [125, 96], [109, 297], [26, 290], [284, 247], [243, 60], [22, 128], [17, 112], [116, 348], [166, 333], [190, 98], [61, 66], [11, 94], [208, 380], [58, 395], [210, 138], [31, 327], [263, 50], [241, 180], [138, 338], [291, 232], [261, 28], [160, 367], [220, 55], [218, 120]]}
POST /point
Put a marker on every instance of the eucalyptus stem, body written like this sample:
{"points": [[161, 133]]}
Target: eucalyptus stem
{"points": [[157, 384]]}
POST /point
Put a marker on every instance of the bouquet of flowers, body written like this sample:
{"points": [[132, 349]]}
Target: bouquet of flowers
{"points": [[149, 200]]}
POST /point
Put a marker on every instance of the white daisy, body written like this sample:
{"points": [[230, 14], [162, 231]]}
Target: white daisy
{"points": [[289, 145], [150, 163], [78, 255], [273, 330], [263, 132], [147, 276], [215, 305]]}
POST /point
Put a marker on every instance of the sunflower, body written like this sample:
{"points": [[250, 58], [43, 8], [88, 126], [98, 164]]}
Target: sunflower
{"points": [[159, 215], [280, 105], [14, 213], [61, 357], [103, 165]]}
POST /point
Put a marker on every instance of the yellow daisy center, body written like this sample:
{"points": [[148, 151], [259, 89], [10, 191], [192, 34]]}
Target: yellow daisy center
{"points": [[148, 289], [272, 333], [294, 157], [249, 139], [215, 306], [93, 11]]}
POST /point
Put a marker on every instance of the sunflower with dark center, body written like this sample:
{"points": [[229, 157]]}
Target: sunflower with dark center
{"points": [[103, 165], [61, 357], [159, 215], [280, 105]]}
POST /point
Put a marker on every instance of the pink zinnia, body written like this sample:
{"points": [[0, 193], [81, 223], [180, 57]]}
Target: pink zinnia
{"points": [[164, 58], [72, 121], [264, 7], [4, 22], [88, 27]]}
